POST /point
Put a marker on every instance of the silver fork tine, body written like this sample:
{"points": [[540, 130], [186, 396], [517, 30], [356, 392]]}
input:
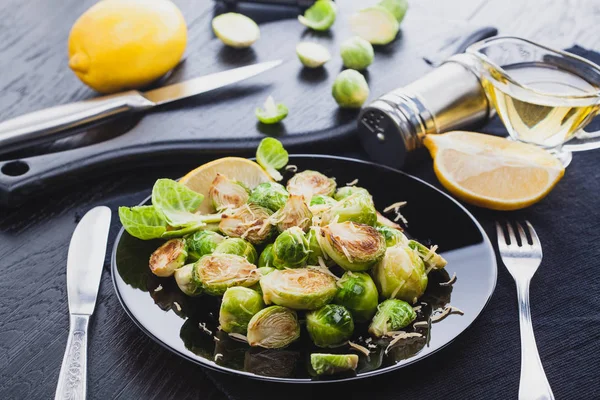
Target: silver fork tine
{"points": [[524, 241], [501, 238], [511, 235], [534, 237]]}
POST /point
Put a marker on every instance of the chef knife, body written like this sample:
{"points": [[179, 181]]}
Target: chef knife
{"points": [[84, 269], [56, 122]]}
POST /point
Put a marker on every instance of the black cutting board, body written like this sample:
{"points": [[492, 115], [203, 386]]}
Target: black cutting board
{"points": [[223, 121]]}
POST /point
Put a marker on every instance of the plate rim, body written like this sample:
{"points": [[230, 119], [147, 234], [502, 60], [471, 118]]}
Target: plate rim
{"points": [[214, 367]]}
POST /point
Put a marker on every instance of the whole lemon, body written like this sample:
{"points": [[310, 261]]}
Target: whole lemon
{"points": [[126, 44]]}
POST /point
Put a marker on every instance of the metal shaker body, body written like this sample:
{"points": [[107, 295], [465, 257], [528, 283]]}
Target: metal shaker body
{"points": [[447, 98]]}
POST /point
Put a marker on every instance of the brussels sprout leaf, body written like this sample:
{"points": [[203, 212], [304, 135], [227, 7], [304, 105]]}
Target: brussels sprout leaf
{"points": [[320, 16], [272, 156], [143, 222], [272, 112]]}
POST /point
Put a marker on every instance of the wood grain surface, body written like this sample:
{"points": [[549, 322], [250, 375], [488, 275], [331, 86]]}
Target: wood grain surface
{"points": [[123, 362]]}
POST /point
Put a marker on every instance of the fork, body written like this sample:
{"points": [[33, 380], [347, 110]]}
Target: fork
{"points": [[522, 260]]}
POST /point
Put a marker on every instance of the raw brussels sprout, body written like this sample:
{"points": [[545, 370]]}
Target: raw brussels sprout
{"points": [[320, 16], [266, 257], [347, 191], [310, 183], [239, 247], [273, 327], [217, 272], [185, 281], [330, 325], [202, 243], [354, 247], [350, 89], [314, 247], [235, 30], [290, 249], [227, 193], [358, 293], [250, 222], [272, 112], [397, 8], [363, 22], [271, 195], [168, 257], [392, 315], [356, 208], [238, 306], [357, 53], [400, 274], [321, 199], [271, 155], [330, 364], [312, 55], [431, 259], [392, 236], [300, 289], [295, 212]]}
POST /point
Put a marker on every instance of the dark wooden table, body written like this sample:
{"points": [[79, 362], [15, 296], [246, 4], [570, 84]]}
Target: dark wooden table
{"points": [[123, 362]]}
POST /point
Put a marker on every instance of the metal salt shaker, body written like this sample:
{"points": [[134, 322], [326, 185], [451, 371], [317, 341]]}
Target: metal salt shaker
{"points": [[449, 97]]}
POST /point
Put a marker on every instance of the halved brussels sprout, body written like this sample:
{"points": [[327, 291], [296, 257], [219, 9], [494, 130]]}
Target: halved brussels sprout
{"points": [[300, 289], [310, 183], [330, 325], [363, 22], [202, 243], [320, 16], [357, 53], [330, 364], [217, 272], [290, 249], [429, 256], [266, 257], [227, 193], [356, 208], [271, 155], [392, 315], [358, 293], [238, 306], [347, 191], [235, 30], [272, 112], [250, 222], [392, 236], [400, 274], [398, 8], [321, 199], [271, 195], [263, 271], [314, 247], [312, 55], [350, 89], [295, 212], [185, 281], [239, 247], [168, 257], [273, 327], [354, 247]]}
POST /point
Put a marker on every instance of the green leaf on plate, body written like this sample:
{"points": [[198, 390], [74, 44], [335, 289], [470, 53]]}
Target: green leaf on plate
{"points": [[143, 222], [272, 156]]}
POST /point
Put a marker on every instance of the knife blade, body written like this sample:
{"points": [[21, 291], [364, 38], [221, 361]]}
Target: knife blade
{"points": [[84, 270], [68, 119]]}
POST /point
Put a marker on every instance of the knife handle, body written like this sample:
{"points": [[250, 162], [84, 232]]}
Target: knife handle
{"points": [[73, 372], [60, 121]]}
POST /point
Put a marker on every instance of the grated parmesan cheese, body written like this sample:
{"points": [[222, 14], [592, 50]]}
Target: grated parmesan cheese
{"points": [[354, 182], [431, 252], [396, 206], [238, 336], [291, 167], [177, 306], [158, 288], [420, 324], [202, 326], [218, 356], [399, 335], [360, 348], [450, 282]]}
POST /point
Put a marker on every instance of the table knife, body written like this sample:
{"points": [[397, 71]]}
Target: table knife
{"points": [[84, 269], [60, 121]]}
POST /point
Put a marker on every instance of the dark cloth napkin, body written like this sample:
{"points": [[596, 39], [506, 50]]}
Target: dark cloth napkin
{"points": [[484, 362]]}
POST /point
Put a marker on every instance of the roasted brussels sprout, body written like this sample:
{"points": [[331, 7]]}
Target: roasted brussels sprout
{"points": [[300, 289], [314, 247], [217, 272], [384, 221], [310, 183], [271, 195], [238, 306], [330, 364], [347, 191], [239, 247], [250, 222], [357, 53], [356, 208], [168, 257], [354, 247], [226, 193], [392, 236], [185, 281], [265, 270], [350, 89], [392, 315], [321, 199], [202, 243], [358, 293], [273, 327], [295, 212], [330, 325], [400, 274], [266, 257], [290, 249], [431, 259]]}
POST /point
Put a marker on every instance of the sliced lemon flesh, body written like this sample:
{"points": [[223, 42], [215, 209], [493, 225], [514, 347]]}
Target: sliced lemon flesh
{"points": [[493, 172], [240, 169]]}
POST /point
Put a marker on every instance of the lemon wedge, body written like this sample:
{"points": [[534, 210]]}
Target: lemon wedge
{"points": [[240, 169], [493, 172]]}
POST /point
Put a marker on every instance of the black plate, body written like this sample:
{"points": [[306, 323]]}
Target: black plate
{"points": [[172, 319]]}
